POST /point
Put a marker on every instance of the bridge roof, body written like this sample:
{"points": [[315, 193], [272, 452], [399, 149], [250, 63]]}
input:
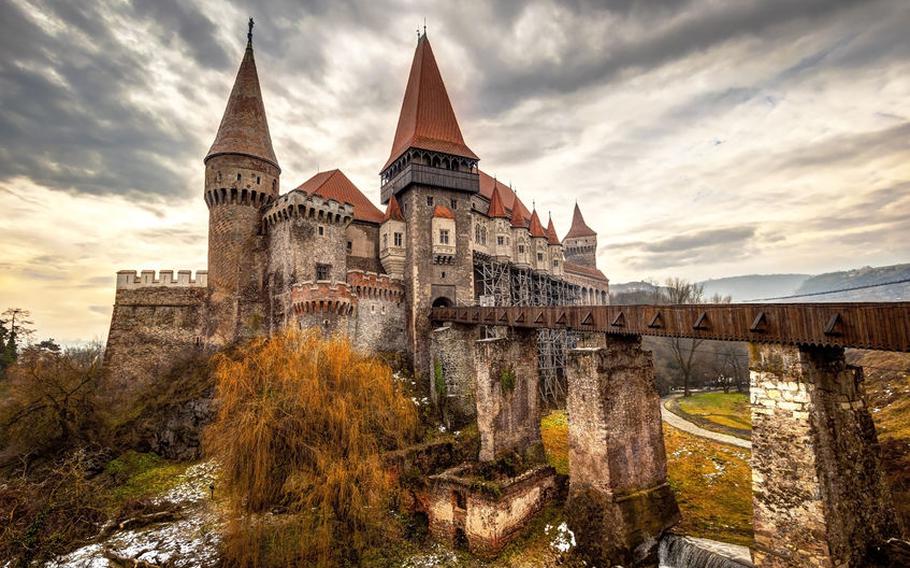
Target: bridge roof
{"points": [[883, 326]]}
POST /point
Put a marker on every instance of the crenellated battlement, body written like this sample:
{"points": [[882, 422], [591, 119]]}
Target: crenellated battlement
{"points": [[323, 296], [375, 286], [130, 279], [298, 204]]}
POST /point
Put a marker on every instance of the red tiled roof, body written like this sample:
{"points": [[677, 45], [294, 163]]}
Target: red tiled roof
{"points": [[427, 120], [518, 220], [443, 212], [536, 228], [497, 210], [488, 183], [579, 228], [551, 233], [244, 128], [393, 211], [333, 184], [584, 271]]}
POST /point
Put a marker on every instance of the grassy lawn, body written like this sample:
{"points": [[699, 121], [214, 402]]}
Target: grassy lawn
{"points": [[712, 481], [728, 410], [136, 475]]}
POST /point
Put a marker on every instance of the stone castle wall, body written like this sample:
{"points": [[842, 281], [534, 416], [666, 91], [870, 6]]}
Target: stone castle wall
{"points": [[155, 319]]}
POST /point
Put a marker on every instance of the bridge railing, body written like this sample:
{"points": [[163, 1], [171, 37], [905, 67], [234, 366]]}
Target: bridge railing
{"points": [[865, 325]]}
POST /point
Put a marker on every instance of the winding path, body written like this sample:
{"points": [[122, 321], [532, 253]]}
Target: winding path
{"points": [[686, 426]]}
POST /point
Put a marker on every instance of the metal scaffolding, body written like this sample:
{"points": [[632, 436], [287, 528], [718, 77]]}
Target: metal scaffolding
{"points": [[504, 284]]}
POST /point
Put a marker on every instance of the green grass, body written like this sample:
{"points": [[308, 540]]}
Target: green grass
{"points": [[136, 475], [712, 481], [730, 410], [554, 430]]}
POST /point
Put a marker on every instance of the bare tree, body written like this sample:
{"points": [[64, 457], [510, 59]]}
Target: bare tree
{"points": [[679, 291]]}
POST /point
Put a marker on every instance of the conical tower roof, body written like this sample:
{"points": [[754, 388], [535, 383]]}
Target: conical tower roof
{"points": [[244, 129], [579, 228], [518, 220], [536, 228], [497, 209], [551, 233], [427, 120], [393, 211]]}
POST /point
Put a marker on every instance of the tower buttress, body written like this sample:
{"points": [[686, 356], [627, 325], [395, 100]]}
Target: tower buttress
{"points": [[241, 177]]}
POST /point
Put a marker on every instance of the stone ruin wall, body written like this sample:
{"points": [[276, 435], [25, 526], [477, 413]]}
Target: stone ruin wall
{"points": [[824, 505]]}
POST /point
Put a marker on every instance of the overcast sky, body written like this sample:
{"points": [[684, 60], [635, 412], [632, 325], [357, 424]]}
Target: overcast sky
{"points": [[701, 138]]}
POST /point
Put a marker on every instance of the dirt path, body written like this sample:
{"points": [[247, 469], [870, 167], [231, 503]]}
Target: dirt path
{"points": [[686, 426]]}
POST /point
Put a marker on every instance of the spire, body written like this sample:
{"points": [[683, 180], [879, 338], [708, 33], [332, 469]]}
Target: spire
{"points": [[244, 129], [552, 239], [393, 211], [427, 120], [579, 228], [518, 220], [536, 228], [497, 209]]}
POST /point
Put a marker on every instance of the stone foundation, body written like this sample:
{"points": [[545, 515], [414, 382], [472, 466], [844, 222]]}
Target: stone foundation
{"points": [[819, 497], [484, 516], [619, 500], [451, 372], [506, 375]]}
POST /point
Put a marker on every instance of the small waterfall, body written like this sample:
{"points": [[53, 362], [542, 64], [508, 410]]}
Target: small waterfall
{"points": [[686, 552]]}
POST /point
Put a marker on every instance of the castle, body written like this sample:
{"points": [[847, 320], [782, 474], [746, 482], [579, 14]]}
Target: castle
{"points": [[323, 255]]}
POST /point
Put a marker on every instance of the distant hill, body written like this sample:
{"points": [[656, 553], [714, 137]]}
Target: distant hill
{"points": [[755, 286], [859, 277]]}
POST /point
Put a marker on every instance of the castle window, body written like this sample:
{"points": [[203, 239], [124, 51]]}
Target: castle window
{"points": [[500, 240], [321, 230], [443, 275], [555, 264], [429, 201], [238, 177], [398, 239], [443, 236], [350, 247], [521, 249], [323, 271], [454, 203], [257, 180], [540, 257]]}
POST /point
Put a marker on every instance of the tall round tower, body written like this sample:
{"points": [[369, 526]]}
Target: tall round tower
{"points": [[241, 177]]}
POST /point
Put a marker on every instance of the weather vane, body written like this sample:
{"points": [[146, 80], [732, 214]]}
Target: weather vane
{"points": [[249, 34]]}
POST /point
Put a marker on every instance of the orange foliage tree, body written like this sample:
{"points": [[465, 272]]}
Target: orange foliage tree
{"points": [[301, 427]]}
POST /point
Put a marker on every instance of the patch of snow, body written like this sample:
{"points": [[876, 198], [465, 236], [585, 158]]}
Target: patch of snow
{"points": [[563, 538]]}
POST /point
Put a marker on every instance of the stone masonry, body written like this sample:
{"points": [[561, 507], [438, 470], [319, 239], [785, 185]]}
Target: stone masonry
{"points": [[619, 499], [508, 416], [819, 497]]}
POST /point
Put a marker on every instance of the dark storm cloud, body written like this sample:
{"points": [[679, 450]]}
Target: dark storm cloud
{"points": [[66, 121], [690, 248], [182, 20]]}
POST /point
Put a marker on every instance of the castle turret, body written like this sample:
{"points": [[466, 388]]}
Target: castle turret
{"points": [[580, 242], [433, 175], [391, 240], [241, 177], [555, 250], [502, 232], [521, 238], [540, 255]]}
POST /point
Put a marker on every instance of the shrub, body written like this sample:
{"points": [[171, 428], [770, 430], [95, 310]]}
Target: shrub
{"points": [[301, 426]]}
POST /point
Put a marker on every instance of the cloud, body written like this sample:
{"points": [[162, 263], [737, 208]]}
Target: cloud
{"points": [[701, 138]]}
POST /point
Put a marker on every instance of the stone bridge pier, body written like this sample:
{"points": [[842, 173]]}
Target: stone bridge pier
{"points": [[819, 497], [619, 500]]}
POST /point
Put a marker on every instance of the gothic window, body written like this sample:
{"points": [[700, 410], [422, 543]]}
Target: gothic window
{"points": [[540, 257], [521, 249], [477, 233], [398, 239], [323, 271], [429, 201], [500, 240], [555, 263], [443, 236]]}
